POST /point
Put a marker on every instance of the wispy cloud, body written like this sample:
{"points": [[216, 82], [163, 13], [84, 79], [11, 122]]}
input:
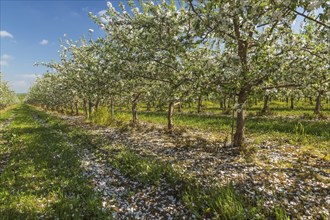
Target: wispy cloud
{"points": [[6, 34], [74, 14], [103, 17], [6, 57], [4, 61], [43, 42], [28, 76]]}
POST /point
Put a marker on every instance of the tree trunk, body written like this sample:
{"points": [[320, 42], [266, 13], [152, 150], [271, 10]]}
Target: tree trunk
{"points": [[148, 107], [265, 108], [112, 107], [317, 109], [134, 113], [239, 135], [224, 104], [169, 115], [291, 101], [179, 107], [134, 109], [199, 105], [76, 106], [310, 100], [287, 100], [90, 109], [97, 104], [85, 109]]}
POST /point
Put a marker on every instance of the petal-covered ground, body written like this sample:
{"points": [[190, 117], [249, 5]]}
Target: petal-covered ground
{"points": [[280, 174], [52, 168]]}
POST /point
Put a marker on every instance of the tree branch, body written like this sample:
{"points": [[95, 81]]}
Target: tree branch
{"points": [[310, 18]]}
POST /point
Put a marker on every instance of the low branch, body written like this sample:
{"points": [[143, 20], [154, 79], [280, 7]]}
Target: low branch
{"points": [[310, 18], [282, 86]]}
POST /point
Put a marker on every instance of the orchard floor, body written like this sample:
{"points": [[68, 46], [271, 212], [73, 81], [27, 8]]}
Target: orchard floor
{"points": [[61, 167]]}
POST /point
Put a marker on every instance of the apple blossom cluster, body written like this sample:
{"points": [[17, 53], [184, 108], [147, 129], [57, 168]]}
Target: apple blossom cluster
{"points": [[7, 96]]}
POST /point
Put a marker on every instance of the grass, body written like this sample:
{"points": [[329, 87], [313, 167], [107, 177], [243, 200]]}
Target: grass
{"points": [[48, 190], [312, 135], [319, 129], [6, 113], [43, 178], [215, 202], [204, 202]]}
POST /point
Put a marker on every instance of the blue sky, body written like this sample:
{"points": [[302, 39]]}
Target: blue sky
{"points": [[30, 32]]}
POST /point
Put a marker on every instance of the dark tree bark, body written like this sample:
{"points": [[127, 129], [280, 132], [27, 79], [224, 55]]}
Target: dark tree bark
{"points": [[76, 107], [134, 109], [148, 107], [90, 110], [224, 104], [310, 100], [265, 108], [199, 105], [179, 107], [97, 104], [291, 102], [228, 102], [317, 109]]}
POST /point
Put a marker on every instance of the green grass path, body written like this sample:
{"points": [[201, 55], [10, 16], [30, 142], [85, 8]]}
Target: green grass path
{"points": [[43, 178]]}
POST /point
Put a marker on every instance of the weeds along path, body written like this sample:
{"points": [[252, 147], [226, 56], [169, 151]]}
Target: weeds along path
{"points": [[54, 172], [278, 176]]}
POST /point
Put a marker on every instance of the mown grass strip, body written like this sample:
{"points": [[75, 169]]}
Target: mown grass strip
{"points": [[43, 178]]}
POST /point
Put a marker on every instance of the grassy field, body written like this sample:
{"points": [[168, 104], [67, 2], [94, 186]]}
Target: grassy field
{"points": [[313, 135], [42, 178], [42, 175]]}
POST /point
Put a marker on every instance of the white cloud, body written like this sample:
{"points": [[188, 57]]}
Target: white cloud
{"points": [[43, 42], [74, 14], [29, 76], [3, 63], [4, 59], [6, 34]]}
